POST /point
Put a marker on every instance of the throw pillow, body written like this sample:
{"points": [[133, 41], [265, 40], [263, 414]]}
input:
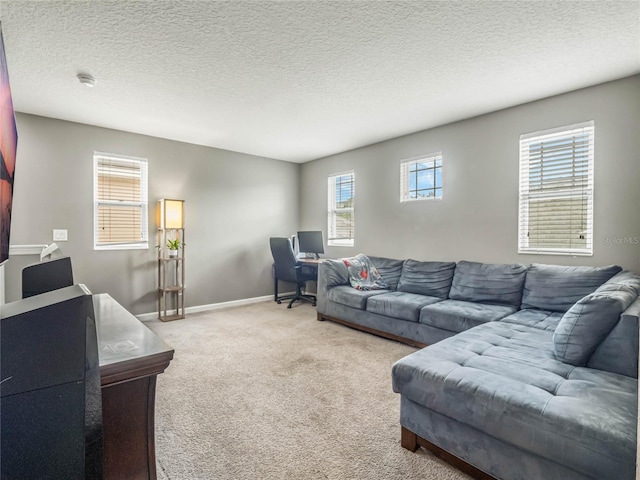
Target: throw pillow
{"points": [[587, 323], [363, 275]]}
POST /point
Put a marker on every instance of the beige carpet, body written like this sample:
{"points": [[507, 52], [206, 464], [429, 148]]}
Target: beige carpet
{"points": [[263, 392]]}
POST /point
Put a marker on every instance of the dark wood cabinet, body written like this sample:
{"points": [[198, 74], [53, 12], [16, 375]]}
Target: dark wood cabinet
{"points": [[131, 357]]}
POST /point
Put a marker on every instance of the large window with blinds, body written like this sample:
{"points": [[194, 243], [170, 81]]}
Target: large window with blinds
{"points": [[556, 191], [120, 202], [341, 213]]}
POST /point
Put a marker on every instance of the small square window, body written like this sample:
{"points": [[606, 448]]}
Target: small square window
{"points": [[421, 178]]}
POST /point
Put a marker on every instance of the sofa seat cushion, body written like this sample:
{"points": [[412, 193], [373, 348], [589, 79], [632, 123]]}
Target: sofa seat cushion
{"points": [[349, 296], [504, 380], [457, 316], [542, 319], [557, 287], [427, 278], [405, 306], [495, 284]]}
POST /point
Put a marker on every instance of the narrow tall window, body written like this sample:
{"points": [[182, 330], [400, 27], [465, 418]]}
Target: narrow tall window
{"points": [[421, 178], [556, 191], [341, 213], [120, 202]]}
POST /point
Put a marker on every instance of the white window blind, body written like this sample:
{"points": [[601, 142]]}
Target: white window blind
{"points": [[341, 214], [556, 191], [421, 178], [120, 202]]}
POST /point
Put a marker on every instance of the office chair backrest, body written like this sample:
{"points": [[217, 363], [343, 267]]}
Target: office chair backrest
{"points": [[46, 276], [284, 259]]}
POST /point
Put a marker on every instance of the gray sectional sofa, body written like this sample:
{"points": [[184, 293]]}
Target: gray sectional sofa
{"points": [[530, 373]]}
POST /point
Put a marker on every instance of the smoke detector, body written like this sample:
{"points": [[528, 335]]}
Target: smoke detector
{"points": [[86, 79]]}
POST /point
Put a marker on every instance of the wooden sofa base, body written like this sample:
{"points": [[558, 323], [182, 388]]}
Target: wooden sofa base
{"points": [[380, 333], [412, 442]]}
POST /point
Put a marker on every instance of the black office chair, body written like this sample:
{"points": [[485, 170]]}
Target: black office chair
{"points": [[46, 276], [287, 269]]}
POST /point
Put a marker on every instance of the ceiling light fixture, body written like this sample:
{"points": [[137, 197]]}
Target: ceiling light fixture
{"points": [[86, 79]]}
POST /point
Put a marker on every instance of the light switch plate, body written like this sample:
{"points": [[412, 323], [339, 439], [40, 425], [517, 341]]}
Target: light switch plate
{"points": [[59, 235]]}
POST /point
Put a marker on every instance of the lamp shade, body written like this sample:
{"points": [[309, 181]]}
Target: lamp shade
{"points": [[171, 213]]}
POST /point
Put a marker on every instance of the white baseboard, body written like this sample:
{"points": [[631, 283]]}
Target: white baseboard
{"points": [[145, 317]]}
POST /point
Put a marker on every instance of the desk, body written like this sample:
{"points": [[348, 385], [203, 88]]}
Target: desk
{"points": [[131, 357], [311, 263]]}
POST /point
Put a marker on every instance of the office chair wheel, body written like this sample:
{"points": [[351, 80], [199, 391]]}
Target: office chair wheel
{"points": [[278, 302], [289, 306], [313, 304]]}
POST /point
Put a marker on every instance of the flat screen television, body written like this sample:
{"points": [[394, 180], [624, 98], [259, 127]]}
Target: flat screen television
{"points": [[311, 243], [51, 415], [8, 146]]}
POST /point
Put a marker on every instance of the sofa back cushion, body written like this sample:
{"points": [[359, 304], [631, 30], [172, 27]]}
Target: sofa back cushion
{"points": [[389, 269], [496, 284], [587, 323], [557, 288], [427, 278], [333, 273]]}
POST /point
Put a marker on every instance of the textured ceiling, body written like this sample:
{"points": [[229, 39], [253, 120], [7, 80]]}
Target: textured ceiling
{"points": [[299, 80]]}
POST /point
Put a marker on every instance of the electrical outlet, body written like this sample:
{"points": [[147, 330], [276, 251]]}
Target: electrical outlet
{"points": [[59, 235]]}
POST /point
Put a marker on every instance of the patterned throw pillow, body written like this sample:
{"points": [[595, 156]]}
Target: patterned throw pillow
{"points": [[363, 275]]}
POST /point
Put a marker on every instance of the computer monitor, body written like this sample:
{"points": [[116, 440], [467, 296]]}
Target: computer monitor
{"points": [[46, 276], [311, 243]]}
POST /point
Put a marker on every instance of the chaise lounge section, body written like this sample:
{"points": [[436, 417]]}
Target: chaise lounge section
{"points": [[497, 398], [538, 382]]}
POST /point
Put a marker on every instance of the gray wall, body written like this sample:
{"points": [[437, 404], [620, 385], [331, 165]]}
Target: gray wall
{"points": [[234, 203], [477, 219]]}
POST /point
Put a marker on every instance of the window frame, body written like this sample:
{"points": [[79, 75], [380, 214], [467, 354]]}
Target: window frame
{"points": [[143, 244], [333, 210], [584, 192], [405, 180]]}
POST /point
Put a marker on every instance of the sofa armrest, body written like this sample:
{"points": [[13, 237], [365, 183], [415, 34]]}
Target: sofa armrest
{"points": [[633, 310], [331, 273], [618, 352]]}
